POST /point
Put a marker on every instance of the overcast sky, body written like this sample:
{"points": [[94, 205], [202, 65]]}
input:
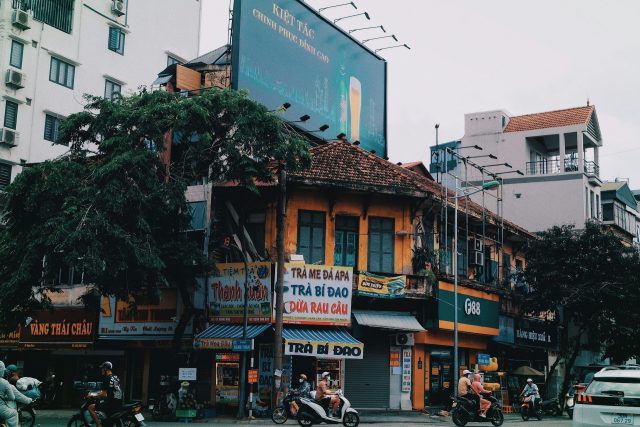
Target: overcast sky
{"points": [[524, 56]]}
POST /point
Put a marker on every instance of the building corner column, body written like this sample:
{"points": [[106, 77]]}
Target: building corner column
{"points": [[563, 151]]}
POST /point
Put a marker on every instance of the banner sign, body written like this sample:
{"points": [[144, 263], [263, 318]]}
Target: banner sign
{"points": [[187, 374], [317, 295], [320, 69], [535, 333], [406, 370], [226, 293], [375, 286], [10, 339], [265, 371], [477, 311], [139, 317], [66, 328], [329, 350], [213, 344]]}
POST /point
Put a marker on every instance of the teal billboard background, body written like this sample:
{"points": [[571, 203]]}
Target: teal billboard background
{"points": [[283, 51]]}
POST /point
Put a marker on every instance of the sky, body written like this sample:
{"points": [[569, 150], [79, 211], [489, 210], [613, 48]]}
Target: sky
{"points": [[522, 56]]}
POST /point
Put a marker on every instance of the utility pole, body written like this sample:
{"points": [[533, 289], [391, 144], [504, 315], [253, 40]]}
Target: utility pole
{"points": [[281, 219]]}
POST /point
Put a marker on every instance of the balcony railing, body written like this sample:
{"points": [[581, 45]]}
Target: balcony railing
{"points": [[552, 166]]}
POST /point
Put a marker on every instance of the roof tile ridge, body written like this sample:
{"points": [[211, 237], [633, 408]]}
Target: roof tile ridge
{"points": [[554, 111]]}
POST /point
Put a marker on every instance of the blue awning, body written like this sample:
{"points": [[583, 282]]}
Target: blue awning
{"points": [[334, 343], [232, 331]]}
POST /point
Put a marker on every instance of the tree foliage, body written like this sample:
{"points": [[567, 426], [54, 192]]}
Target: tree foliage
{"points": [[590, 279], [110, 208]]}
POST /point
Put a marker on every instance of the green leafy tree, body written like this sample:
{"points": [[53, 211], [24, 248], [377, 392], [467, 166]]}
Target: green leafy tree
{"points": [[590, 280], [114, 212]]}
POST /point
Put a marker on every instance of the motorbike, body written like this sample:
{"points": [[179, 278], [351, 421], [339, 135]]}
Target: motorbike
{"points": [[570, 398], [49, 392], [129, 415], [165, 406], [289, 408], [27, 414], [551, 407], [465, 410], [531, 409], [313, 412]]}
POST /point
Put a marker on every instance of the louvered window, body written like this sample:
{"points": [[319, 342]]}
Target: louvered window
{"points": [[116, 40], [381, 245], [10, 115], [311, 236], [62, 72], [17, 51], [5, 174], [111, 88], [51, 128]]}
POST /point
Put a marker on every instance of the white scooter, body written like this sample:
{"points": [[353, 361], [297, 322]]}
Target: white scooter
{"points": [[311, 412]]}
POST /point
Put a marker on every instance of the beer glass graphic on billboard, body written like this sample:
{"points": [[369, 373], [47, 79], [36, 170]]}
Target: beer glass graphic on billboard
{"points": [[355, 105]]}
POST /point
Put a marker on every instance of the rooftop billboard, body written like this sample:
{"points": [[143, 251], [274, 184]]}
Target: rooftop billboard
{"points": [[284, 51]]}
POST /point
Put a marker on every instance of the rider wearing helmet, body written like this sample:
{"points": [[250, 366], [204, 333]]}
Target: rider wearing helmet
{"points": [[12, 374], [8, 397], [110, 393], [324, 397]]}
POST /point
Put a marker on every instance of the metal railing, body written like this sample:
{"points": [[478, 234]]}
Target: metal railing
{"points": [[592, 168], [57, 13], [552, 166]]}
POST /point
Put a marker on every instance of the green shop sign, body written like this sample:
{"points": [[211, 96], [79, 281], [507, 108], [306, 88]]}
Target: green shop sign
{"points": [[477, 311]]}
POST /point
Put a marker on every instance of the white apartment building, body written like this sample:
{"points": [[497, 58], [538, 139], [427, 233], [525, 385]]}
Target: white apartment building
{"points": [[52, 52], [547, 162]]}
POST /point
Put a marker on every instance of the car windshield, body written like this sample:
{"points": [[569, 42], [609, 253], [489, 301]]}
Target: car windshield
{"points": [[615, 386]]}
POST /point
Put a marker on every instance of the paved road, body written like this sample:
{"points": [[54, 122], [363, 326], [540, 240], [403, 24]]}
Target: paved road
{"points": [[58, 419]]}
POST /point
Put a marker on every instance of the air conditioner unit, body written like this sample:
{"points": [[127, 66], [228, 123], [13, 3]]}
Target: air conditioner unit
{"points": [[117, 7], [478, 245], [8, 137], [21, 19], [14, 79], [405, 339], [477, 258]]}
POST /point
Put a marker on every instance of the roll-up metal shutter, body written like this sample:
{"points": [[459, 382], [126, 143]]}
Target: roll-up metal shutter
{"points": [[367, 379]]}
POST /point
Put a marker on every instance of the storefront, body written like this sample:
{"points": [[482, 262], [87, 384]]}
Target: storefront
{"points": [[433, 354], [60, 344], [143, 331], [389, 338]]}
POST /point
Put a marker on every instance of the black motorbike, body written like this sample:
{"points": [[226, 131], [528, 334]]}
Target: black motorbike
{"points": [[530, 409], [129, 415], [27, 414], [551, 407], [288, 408], [465, 410], [49, 392]]}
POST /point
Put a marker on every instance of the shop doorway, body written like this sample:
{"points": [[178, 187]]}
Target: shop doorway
{"points": [[227, 383]]}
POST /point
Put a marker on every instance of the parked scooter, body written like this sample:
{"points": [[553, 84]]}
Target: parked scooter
{"points": [[311, 412], [551, 407], [289, 408], [530, 409], [570, 398], [465, 411], [129, 415]]}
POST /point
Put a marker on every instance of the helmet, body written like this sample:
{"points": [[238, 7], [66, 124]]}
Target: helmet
{"points": [[303, 376], [466, 372], [325, 374], [106, 365], [11, 369], [529, 380]]}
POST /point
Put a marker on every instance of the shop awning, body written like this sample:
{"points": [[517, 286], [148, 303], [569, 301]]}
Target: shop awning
{"points": [[334, 343], [227, 337], [395, 320]]}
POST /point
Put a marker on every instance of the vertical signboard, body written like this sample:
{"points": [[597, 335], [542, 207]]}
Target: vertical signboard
{"points": [[226, 293], [317, 295], [284, 51]]}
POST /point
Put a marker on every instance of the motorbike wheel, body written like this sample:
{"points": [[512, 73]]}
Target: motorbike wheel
{"points": [[525, 414], [557, 411], [130, 422], [27, 418], [351, 419], [539, 414], [279, 415], [459, 418], [305, 420], [570, 413], [497, 419], [76, 421]]}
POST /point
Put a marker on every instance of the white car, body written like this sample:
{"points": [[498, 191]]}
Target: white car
{"points": [[612, 398]]}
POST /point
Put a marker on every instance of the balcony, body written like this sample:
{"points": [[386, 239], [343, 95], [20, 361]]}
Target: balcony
{"points": [[552, 166]]}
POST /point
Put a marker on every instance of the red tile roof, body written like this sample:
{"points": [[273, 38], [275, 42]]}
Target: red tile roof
{"points": [[550, 119]]}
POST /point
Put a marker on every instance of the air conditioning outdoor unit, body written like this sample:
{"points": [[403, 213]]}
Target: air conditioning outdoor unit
{"points": [[8, 137], [14, 79], [117, 7], [477, 258], [405, 339], [478, 245], [21, 19]]}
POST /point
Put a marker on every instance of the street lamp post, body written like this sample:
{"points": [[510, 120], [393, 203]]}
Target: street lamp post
{"points": [[485, 186]]}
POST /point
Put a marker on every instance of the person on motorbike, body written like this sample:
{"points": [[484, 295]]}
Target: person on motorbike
{"points": [[11, 374], [305, 386], [322, 395], [9, 395], [530, 392], [464, 388], [479, 390], [110, 394]]}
